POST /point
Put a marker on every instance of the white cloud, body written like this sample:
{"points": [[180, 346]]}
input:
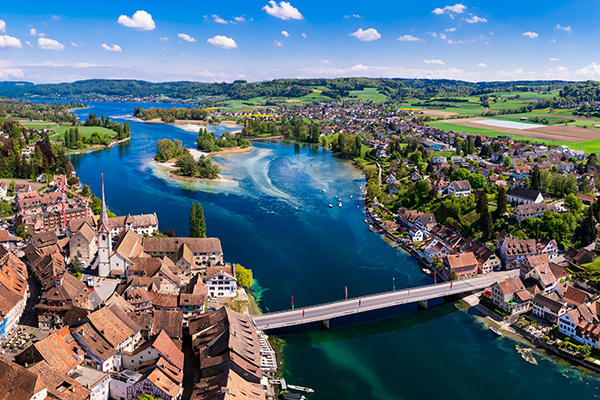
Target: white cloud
{"points": [[114, 47], [482, 65], [457, 8], [366, 35], [325, 62], [553, 59], [278, 43], [473, 19], [74, 44], [443, 36], [6, 72], [352, 16], [223, 42], [2, 26], [219, 20], [451, 30], [434, 61], [530, 35], [378, 71], [409, 38], [50, 44], [241, 18], [186, 37], [284, 10], [434, 34], [141, 20], [563, 28], [285, 33], [164, 39], [34, 32], [304, 35], [9, 42], [56, 17], [29, 43]]}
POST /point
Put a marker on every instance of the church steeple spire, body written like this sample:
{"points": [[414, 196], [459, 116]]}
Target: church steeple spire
{"points": [[104, 222]]}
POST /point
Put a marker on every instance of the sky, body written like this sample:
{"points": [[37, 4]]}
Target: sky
{"points": [[49, 42]]}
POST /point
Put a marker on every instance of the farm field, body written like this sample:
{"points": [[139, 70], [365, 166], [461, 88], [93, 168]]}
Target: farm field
{"points": [[83, 130], [576, 138]]}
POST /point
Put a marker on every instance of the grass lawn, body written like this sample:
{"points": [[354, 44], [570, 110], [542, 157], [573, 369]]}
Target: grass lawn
{"points": [[470, 218], [368, 94], [442, 153], [593, 267], [83, 130]]}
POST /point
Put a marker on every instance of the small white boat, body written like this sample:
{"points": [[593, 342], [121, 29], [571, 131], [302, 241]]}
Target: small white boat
{"points": [[351, 196], [495, 331], [323, 190], [340, 204], [371, 228], [330, 205]]}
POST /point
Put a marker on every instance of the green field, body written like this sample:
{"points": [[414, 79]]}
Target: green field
{"points": [[38, 124], [368, 94], [83, 130]]}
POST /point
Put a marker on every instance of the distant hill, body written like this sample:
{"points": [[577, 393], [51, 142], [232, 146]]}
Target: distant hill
{"points": [[394, 89]]}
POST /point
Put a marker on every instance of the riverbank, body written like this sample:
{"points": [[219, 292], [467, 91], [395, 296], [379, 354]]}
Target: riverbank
{"points": [[97, 147]]}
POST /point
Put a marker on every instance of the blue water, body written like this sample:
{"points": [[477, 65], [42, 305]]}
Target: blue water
{"points": [[272, 216]]}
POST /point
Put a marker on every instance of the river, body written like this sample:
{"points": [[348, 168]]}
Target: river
{"points": [[273, 217]]}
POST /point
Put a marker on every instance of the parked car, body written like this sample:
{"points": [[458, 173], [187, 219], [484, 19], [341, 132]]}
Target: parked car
{"points": [[212, 300]]}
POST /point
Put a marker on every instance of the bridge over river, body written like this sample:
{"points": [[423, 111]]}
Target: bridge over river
{"points": [[325, 312]]}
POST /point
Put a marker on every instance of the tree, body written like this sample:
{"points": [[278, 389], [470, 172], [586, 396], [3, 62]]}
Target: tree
{"points": [[487, 226], [482, 204], [501, 201], [586, 232], [193, 222], [453, 276], [244, 276], [201, 221], [573, 203], [536, 178], [477, 181], [146, 397], [460, 174], [23, 232], [507, 161], [75, 267]]}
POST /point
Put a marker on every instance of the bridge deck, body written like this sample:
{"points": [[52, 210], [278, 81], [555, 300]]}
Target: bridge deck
{"points": [[342, 308]]}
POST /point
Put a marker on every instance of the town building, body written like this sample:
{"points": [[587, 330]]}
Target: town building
{"points": [[532, 210], [464, 265], [510, 295], [459, 188], [521, 195]]}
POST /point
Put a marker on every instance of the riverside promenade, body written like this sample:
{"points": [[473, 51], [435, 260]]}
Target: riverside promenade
{"points": [[324, 312]]}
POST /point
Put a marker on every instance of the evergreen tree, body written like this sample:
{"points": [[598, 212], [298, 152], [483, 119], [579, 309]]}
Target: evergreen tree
{"points": [[200, 221], [536, 178], [501, 201], [482, 204], [586, 232], [193, 222], [487, 226]]}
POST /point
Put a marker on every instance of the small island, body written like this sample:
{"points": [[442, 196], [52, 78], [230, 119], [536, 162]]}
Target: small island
{"points": [[173, 155]]}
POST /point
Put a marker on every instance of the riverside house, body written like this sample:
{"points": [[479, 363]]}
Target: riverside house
{"points": [[465, 265]]}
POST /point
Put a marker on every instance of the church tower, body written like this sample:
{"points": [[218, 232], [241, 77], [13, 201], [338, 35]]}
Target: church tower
{"points": [[104, 239]]}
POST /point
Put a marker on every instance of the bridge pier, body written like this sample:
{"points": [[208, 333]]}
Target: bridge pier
{"points": [[422, 305], [325, 324]]}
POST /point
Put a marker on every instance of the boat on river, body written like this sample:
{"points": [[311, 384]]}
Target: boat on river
{"points": [[340, 204], [371, 228], [495, 331], [301, 388], [330, 205]]}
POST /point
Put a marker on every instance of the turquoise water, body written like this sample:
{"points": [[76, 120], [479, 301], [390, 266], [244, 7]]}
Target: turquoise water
{"points": [[272, 216]]}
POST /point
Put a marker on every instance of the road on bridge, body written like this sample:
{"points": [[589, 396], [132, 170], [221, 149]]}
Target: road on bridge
{"points": [[299, 316]]}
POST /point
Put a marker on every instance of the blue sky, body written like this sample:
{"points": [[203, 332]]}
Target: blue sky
{"points": [[43, 41]]}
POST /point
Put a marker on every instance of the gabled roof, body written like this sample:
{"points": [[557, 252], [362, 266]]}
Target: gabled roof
{"points": [[129, 245], [511, 285], [227, 386], [18, 382], [171, 245], [111, 327], [523, 193], [460, 185]]}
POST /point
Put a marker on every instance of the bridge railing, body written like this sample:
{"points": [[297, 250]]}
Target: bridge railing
{"points": [[361, 297]]}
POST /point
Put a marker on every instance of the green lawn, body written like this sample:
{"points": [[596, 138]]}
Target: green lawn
{"points": [[83, 130], [369, 94]]}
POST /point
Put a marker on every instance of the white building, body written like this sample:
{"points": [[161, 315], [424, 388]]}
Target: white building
{"points": [[221, 281], [459, 188]]}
